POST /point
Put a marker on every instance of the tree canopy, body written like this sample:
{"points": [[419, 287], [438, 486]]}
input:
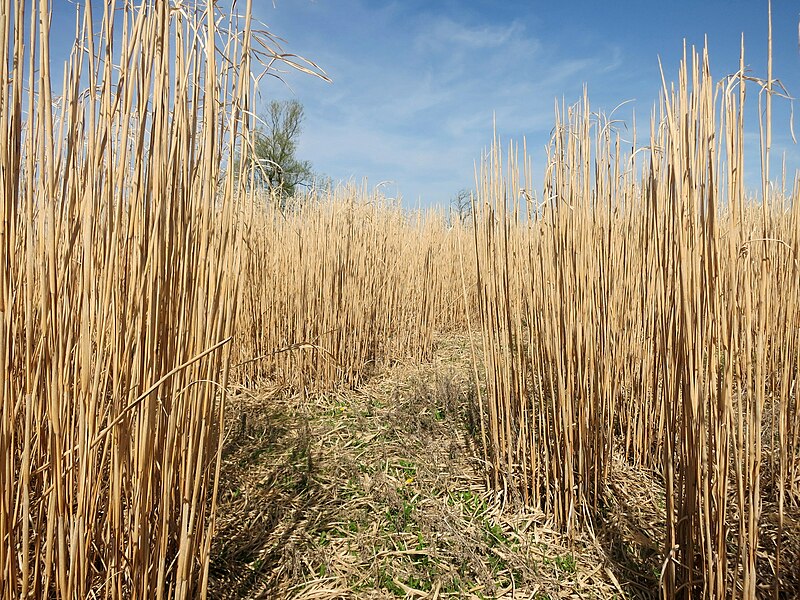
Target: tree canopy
{"points": [[275, 164]]}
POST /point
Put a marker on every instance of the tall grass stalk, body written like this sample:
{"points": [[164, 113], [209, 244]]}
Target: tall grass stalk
{"points": [[118, 289], [647, 309], [343, 281]]}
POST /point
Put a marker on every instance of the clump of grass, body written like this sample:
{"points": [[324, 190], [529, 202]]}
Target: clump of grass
{"points": [[122, 242], [601, 306], [342, 282]]}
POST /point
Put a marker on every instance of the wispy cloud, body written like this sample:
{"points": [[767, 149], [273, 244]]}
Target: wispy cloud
{"points": [[445, 33], [417, 85]]}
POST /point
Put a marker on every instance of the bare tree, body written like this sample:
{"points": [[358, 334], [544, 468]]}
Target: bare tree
{"points": [[461, 206]]}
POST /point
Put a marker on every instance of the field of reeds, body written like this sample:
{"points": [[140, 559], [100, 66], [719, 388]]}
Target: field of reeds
{"points": [[118, 291], [343, 283], [165, 330], [647, 311]]}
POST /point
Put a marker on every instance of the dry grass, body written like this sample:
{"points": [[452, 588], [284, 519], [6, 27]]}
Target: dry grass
{"points": [[647, 312], [118, 293], [632, 405], [343, 282], [138, 265]]}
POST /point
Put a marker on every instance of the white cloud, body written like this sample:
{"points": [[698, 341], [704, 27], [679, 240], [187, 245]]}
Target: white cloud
{"points": [[446, 33], [414, 96]]}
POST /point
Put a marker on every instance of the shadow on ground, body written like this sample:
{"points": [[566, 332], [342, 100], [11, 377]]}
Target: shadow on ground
{"points": [[268, 498], [379, 492], [631, 530]]}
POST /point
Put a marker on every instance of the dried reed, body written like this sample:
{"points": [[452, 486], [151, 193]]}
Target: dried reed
{"points": [[648, 308], [120, 251], [346, 280]]}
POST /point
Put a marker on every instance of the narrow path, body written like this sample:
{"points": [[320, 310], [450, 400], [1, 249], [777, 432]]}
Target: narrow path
{"points": [[378, 493]]}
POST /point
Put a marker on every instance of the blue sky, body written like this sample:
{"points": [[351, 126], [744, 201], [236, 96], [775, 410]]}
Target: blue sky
{"points": [[416, 83]]}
